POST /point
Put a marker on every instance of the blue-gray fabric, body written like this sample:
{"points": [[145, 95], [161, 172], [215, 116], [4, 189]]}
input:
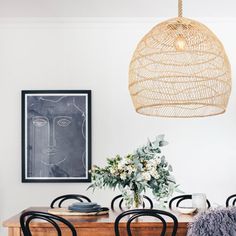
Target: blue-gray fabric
{"points": [[214, 222]]}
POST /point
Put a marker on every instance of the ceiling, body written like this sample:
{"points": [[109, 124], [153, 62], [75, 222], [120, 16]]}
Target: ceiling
{"points": [[115, 8]]}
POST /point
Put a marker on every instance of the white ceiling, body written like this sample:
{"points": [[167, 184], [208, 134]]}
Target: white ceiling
{"points": [[115, 8]]}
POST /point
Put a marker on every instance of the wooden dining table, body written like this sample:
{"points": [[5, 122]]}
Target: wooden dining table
{"points": [[102, 225]]}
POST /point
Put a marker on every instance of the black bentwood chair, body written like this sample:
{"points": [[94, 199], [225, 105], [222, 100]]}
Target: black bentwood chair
{"points": [[28, 216], [121, 202], [175, 201], [146, 212], [231, 200], [59, 200]]}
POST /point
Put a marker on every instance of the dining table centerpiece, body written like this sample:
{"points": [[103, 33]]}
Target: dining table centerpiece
{"points": [[146, 168]]}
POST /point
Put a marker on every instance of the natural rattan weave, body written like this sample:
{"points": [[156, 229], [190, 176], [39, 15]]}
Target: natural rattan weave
{"points": [[180, 69]]}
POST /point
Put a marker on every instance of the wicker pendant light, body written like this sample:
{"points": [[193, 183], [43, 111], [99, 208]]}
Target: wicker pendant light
{"points": [[180, 69]]}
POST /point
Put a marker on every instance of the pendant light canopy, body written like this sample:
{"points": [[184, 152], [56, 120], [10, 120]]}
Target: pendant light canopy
{"points": [[180, 69]]}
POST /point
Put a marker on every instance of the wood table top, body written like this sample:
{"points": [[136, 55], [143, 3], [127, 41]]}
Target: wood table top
{"points": [[98, 221]]}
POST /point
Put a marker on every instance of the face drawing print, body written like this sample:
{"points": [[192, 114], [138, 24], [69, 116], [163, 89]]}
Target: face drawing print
{"points": [[56, 135]]}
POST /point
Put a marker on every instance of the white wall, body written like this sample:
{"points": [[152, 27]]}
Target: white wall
{"points": [[94, 54], [115, 8]]}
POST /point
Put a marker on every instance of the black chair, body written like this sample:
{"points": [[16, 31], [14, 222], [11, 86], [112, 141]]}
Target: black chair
{"points": [[59, 200], [121, 201], [28, 216], [160, 215], [181, 198], [231, 200]]}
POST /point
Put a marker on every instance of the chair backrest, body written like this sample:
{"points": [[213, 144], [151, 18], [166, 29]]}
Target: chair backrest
{"points": [[175, 201], [231, 200], [159, 214], [59, 200], [120, 201], [28, 216]]}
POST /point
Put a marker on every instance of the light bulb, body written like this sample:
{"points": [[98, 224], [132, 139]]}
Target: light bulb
{"points": [[180, 43]]}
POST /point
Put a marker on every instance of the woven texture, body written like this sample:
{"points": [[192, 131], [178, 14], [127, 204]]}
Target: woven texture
{"points": [[180, 69]]}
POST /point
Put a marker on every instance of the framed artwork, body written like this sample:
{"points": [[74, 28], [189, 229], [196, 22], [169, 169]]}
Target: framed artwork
{"points": [[56, 135]]}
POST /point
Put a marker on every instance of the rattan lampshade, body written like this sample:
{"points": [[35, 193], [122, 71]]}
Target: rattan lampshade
{"points": [[180, 69]]}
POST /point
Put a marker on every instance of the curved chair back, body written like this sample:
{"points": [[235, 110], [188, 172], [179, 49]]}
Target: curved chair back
{"points": [[28, 216], [59, 200], [231, 200], [120, 201], [175, 201], [160, 215]]}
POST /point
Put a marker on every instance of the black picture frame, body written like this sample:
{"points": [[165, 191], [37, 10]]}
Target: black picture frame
{"points": [[56, 135]]}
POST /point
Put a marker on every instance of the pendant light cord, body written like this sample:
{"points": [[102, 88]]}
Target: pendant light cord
{"points": [[180, 8]]}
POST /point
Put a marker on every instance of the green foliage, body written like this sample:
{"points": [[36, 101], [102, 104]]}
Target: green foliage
{"points": [[145, 168]]}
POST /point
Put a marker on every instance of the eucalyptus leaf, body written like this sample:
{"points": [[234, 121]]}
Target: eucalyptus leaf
{"points": [[136, 172], [163, 143]]}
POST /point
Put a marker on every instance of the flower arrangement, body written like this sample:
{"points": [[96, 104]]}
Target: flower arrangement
{"points": [[134, 173]]}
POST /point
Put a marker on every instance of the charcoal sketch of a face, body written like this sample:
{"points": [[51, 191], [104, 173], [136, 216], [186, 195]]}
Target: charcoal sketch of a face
{"points": [[56, 136]]}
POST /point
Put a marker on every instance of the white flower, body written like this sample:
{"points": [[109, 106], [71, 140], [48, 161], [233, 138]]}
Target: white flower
{"points": [[127, 160], [154, 174], [146, 176], [121, 165], [123, 176], [131, 169], [113, 170], [152, 164]]}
